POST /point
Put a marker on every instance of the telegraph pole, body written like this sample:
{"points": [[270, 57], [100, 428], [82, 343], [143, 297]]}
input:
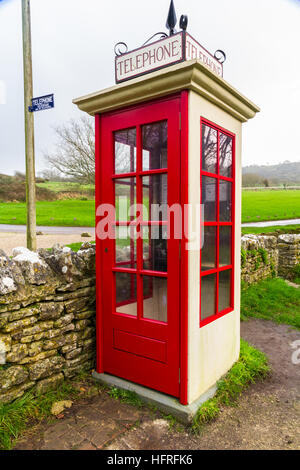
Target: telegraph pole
{"points": [[29, 128]]}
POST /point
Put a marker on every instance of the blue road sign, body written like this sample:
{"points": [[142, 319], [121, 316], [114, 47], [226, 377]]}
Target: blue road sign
{"points": [[41, 103]]}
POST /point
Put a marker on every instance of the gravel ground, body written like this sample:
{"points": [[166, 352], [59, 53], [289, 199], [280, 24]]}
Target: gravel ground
{"points": [[9, 240]]}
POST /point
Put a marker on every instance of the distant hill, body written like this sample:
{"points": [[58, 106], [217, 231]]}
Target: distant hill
{"points": [[286, 172], [13, 189]]}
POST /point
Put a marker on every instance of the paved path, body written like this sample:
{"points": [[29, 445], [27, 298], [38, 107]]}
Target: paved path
{"points": [[267, 415], [48, 230], [79, 230], [272, 223]]}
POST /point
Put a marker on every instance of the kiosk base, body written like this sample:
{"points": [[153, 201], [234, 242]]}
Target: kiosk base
{"points": [[166, 403]]}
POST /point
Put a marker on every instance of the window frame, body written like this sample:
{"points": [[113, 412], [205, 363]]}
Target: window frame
{"points": [[217, 223], [137, 268]]}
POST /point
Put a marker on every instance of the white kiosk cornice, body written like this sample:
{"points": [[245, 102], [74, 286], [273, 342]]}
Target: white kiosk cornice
{"points": [[190, 75]]}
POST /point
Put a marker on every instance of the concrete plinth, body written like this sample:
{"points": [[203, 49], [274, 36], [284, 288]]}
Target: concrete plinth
{"points": [[165, 403]]}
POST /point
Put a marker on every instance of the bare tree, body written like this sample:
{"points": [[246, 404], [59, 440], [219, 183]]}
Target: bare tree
{"points": [[252, 180], [74, 155], [266, 183]]}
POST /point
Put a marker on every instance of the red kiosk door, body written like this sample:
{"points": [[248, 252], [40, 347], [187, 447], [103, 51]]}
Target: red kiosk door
{"points": [[138, 264]]}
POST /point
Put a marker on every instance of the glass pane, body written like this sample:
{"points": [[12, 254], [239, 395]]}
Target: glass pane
{"points": [[155, 197], [225, 201], [126, 293], [155, 298], [208, 296], [224, 289], [225, 246], [125, 246], [125, 151], [225, 155], [208, 251], [125, 198], [155, 246], [209, 149], [155, 146], [209, 196]]}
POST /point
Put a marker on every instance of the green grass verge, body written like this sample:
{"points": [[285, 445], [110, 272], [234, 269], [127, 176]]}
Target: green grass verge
{"points": [[68, 213], [119, 243], [275, 229], [30, 408], [76, 246], [251, 367], [271, 299], [296, 274], [125, 396], [270, 205]]}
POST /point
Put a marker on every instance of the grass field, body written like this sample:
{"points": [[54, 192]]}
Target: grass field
{"points": [[257, 206], [69, 212], [270, 205], [271, 299]]}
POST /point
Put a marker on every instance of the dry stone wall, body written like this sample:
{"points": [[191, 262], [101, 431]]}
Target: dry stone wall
{"points": [[259, 257], [263, 256], [47, 308], [289, 254], [47, 318]]}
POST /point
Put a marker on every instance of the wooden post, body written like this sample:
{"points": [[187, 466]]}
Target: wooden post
{"points": [[29, 128]]}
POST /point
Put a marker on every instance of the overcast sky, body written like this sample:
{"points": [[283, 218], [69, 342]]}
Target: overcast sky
{"points": [[73, 42]]}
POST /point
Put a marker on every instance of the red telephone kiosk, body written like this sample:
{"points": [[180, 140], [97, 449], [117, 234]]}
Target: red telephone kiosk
{"points": [[167, 143]]}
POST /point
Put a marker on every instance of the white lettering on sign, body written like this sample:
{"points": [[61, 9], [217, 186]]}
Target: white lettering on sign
{"points": [[162, 53], [146, 59], [194, 50], [42, 101]]}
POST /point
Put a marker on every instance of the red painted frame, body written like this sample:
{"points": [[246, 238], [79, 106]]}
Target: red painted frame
{"points": [[100, 244], [98, 199], [217, 223], [184, 189]]}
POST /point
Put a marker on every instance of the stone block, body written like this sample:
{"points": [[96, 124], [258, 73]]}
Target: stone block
{"points": [[82, 324], [51, 383], [85, 315], [85, 366], [46, 367], [17, 353], [38, 357], [19, 324], [15, 392], [77, 304], [63, 321], [51, 310], [11, 377], [54, 343], [73, 354]]}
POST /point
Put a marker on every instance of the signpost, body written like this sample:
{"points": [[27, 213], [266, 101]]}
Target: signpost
{"points": [[37, 104], [29, 128], [41, 103]]}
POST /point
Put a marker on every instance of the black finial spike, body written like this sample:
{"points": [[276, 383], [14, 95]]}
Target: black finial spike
{"points": [[172, 19], [183, 22]]}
